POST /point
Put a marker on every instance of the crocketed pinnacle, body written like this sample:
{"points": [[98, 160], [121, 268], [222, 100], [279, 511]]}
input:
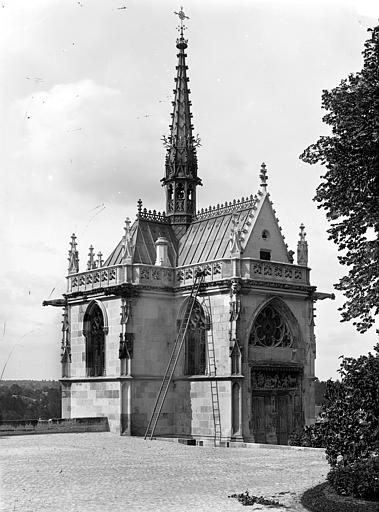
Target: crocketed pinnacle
{"points": [[181, 159]]}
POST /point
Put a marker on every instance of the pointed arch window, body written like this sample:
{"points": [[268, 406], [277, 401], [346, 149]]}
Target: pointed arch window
{"points": [[95, 341], [271, 329], [195, 342]]}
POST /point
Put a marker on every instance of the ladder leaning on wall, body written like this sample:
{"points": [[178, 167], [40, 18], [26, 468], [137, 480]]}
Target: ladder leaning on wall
{"points": [[162, 393], [212, 374]]}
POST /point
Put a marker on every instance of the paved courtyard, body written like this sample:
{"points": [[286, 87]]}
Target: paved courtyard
{"points": [[101, 472]]}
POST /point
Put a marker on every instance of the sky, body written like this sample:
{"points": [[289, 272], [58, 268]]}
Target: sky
{"points": [[85, 97]]}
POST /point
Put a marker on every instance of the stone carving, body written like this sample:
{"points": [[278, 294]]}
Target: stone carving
{"points": [[73, 256], [156, 274], [126, 345], [288, 273], [274, 380], [65, 346], [145, 273], [216, 268]]}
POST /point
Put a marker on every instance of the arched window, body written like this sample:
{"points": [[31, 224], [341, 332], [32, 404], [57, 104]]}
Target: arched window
{"points": [[195, 342], [271, 329], [95, 341]]}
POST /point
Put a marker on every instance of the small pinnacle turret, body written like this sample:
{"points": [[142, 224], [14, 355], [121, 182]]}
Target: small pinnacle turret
{"points": [[73, 256], [181, 180], [302, 248]]}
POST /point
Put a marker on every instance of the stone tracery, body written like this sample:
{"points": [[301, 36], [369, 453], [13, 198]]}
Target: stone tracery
{"points": [[270, 329]]}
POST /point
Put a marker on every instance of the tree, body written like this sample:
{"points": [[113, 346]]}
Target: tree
{"points": [[350, 427], [351, 410], [350, 190]]}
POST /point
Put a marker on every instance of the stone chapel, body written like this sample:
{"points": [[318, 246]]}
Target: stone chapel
{"points": [[245, 371]]}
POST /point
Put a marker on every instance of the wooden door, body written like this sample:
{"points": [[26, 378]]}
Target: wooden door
{"points": [[284, 421], [259, 419]]}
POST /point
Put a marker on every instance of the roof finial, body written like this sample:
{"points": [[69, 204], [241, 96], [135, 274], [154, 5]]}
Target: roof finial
{"points": [[91, 259], [182, 17], [302, 248], [73, 256], [263, 176]]}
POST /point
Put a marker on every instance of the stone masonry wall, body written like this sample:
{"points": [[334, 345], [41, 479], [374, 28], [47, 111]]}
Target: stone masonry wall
{"points": [[96, 399]]}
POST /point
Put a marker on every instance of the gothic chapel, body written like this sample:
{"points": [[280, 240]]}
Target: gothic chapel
{"points": [[199, 324]]}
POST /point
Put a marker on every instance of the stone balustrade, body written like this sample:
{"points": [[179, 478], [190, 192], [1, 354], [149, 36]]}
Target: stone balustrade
{"points": [[162, 277], [98, 278]]}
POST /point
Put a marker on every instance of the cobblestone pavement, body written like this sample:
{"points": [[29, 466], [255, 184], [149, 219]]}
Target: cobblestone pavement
{"points": [[101, 472]]}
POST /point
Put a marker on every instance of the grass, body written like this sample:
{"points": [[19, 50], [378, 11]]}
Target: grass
{"points": [[323, 499]]}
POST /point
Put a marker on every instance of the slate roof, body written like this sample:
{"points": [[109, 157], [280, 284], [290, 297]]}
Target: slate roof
{"points": [[206, 239], [143, 234]]}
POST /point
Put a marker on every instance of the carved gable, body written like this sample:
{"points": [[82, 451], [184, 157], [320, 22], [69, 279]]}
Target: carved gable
{"points": [[266, 236]]}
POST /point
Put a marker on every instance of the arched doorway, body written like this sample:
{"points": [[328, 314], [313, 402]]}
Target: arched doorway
{"points": [[276, 380]]}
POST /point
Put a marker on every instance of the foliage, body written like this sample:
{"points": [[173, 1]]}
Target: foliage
{"points": [[320, 388], [311, 436], [350, 190], [24, 400], [322, 499], [246, 499], [351, 411], [359, 479]]}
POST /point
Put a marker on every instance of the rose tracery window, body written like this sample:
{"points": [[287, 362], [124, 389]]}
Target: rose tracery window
{"points": [[270, 330]]}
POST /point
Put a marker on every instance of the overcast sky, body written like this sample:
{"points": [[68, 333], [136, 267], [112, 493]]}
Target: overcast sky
{"points": [[78, 79]]}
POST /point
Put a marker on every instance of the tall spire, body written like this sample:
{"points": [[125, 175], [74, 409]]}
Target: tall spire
{"points": [[181, 177]]}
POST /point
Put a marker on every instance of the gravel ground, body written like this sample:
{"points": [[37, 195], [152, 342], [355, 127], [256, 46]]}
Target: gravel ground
{"points": [[101, 472]]}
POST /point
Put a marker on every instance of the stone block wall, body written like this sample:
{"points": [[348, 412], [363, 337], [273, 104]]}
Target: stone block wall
{"points": [[93, 399], [144, 393]]}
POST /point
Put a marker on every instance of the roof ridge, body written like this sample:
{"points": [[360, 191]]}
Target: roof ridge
{"points": [[236, 205]]}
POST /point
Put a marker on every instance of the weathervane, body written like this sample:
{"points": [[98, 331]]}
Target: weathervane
{"points": [[182, 17]]}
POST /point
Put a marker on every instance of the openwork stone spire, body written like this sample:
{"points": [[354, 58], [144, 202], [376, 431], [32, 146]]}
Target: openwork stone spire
{"points": [[181, 177]]}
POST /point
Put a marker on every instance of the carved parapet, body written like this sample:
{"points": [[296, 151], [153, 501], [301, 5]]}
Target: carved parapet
{"points": [[213, 271], [97, 278], [151, 275], [272, 271]]}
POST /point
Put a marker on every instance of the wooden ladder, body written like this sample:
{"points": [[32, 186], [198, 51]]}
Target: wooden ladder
{"points": [[212, 368], [162, 393]]}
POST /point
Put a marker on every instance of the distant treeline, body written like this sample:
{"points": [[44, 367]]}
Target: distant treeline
{"points": [[29, 399], [33, 399]]}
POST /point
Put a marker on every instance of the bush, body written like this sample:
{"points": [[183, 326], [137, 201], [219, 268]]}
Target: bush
{"points": [[350, 411], [311, 436], [359, 479]]}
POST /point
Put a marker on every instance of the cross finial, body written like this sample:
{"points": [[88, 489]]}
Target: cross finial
{"points": [[182, 17], [263, 176]]}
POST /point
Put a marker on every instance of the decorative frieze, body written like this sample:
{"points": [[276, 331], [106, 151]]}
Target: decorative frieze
{"points": [[271, 379]]}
